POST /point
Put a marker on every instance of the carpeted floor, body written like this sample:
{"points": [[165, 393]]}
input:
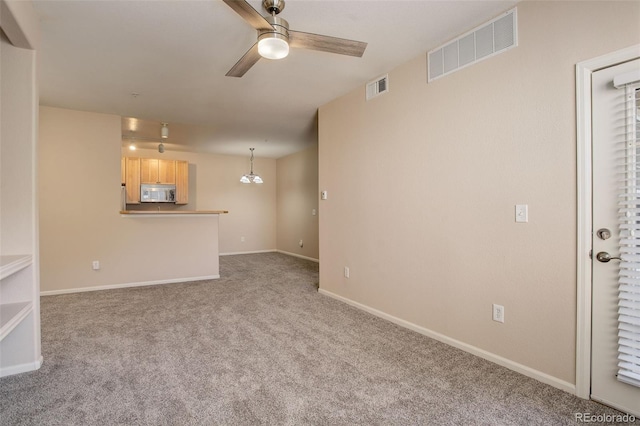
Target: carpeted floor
{"points": [[259, 346]]}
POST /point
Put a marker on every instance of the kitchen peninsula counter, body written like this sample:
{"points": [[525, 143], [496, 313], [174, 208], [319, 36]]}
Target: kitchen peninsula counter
{"points": [[171, 212], [170, 246]]}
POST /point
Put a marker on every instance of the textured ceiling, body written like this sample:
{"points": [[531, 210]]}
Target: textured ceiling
{"points": [[174, 56]]}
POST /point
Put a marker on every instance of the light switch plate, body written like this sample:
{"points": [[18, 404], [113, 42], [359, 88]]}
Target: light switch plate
{"points": [[522, 213], [324, 195]]}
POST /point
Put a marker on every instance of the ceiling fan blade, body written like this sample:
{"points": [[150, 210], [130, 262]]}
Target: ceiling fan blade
{"points": [[247, 61], [249, 14], [325, 43]]}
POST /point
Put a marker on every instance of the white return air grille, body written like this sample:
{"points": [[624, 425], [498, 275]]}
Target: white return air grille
{"points": [[378, 86], [496, 36]]}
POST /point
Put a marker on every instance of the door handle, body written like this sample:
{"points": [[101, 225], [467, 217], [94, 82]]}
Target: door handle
{"points": [[605, 257]]}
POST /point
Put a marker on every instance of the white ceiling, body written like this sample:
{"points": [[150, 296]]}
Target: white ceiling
{"points": [[175, 54]]}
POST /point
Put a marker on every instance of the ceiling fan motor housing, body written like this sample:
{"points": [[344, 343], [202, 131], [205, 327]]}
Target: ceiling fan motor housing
{"points": [[273, 6], [280, 29]]}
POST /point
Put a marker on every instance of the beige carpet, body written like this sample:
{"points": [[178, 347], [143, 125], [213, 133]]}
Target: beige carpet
{"points": [[258, 346]]}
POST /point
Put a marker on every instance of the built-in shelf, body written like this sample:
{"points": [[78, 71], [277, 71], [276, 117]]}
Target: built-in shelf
{"points": [[11, 264], [11, 314]]}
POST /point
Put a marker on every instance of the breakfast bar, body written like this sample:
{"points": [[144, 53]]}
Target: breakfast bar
{"points": [[171, 245], [171, 212]]}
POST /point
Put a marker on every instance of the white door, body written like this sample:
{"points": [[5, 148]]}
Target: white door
{"points": [[610, 150]]}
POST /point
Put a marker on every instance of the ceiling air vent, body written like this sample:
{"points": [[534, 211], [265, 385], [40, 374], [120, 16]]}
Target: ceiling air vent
{"points": [[496, 36], [378, 86]]}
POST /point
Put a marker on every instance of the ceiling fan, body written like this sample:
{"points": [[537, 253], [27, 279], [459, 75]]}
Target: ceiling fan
{"points": [[275, 37]]}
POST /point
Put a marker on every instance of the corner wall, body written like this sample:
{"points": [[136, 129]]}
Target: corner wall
{"points": [[423, 181], [297, 199]]}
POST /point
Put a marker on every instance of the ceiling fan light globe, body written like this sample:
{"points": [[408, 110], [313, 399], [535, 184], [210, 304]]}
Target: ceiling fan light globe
{"points": [[273, 47]]}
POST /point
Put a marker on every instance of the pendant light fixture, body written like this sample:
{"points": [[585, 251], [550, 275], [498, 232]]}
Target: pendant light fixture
{"points": [[164, 134], [251, 178]]}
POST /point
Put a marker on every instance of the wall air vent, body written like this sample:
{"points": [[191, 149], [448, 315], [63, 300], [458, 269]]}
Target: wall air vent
{"points": [[496, 36], [378, 86]]}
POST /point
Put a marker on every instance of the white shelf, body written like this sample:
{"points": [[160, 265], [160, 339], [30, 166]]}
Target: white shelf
{"points": [[11, 264], [11, 314]]}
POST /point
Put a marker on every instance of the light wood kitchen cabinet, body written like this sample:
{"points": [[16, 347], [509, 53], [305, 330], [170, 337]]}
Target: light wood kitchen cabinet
{"points": [[137, 171], [153, 170], [182, 182], [132, 180], [123, 173]]}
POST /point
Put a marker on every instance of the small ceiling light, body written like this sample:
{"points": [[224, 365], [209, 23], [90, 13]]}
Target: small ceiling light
{"points": [[161, 148], [132, 139], [274, 44], [272, 47], [251, 178], [164, 132]]}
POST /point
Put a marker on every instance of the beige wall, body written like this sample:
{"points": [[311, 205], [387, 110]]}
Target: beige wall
{"points": [[79, 183], [297, 198], [20, 349], [17, 150], [214, 184], [423, 180]]}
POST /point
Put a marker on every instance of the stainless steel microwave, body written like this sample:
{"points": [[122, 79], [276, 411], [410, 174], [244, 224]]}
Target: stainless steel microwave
{"points": [[157, 193]]}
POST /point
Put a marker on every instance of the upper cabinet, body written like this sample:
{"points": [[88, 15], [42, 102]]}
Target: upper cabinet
{"points": [[123, 170], [153, 170], [182, 182], [132, 180], [137, 171]]}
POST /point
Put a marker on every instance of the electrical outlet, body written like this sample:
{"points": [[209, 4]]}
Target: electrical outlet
{"points": [[242, 239], [498, 313], [95, 265], [346, 272]]}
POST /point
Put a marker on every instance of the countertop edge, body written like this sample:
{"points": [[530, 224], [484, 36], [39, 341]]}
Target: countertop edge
{"points": [[171, 212]]}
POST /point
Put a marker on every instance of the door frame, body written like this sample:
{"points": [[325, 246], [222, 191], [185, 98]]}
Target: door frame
{"points": [[584, 70]]}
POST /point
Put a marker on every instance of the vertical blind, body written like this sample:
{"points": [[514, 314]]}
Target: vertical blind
{"points": [[629, 224]]}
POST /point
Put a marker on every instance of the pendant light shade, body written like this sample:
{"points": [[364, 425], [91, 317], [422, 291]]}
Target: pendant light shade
{"points": [[164, 131], [251, 177]]}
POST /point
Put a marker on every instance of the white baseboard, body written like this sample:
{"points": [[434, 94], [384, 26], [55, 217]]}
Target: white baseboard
{"points": [[20, 368], [127, 285], [298, 255], [512, 365], [248, 252], [270, 251]]}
